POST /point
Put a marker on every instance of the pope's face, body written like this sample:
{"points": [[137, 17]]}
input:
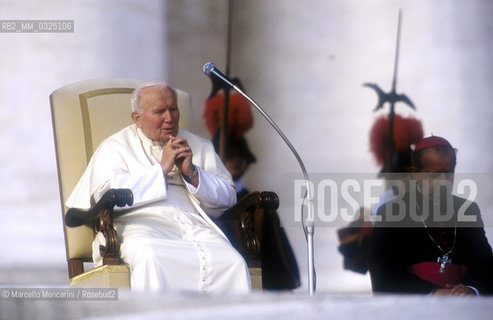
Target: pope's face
{"points": [[159, 114]]}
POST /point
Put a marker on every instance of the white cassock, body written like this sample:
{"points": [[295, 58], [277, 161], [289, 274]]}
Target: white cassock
{"points": [[167, 237]]}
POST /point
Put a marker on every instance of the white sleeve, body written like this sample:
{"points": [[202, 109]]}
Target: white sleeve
{"points": [[147, 186], [108, 169], [214, 193]]}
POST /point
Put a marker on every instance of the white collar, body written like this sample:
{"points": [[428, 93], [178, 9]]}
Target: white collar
{"points": [[145, 139]]}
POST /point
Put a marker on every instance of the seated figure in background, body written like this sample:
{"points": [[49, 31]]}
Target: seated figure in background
{"points": [[424, 244]]}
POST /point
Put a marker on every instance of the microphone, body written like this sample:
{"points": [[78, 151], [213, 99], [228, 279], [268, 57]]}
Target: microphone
{"points": [[309, 224], [211, 70]]}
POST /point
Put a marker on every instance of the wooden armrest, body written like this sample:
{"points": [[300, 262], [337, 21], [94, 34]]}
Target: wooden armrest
{"points": [[111, 198], [243, 227], [104, 210], [254, 229], [251, 202]]}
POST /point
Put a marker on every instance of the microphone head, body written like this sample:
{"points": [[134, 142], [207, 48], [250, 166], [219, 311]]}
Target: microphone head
{"points": [[208, 68]]}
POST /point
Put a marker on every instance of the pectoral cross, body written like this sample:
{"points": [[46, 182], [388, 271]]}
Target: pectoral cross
{"points": [[444, 261]]}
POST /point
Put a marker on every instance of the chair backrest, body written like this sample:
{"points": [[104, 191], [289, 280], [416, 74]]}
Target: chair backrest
{"points": [[83, 115]]}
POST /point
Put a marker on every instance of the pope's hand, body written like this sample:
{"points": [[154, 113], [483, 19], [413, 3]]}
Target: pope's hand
{"points": [[177, 152]]}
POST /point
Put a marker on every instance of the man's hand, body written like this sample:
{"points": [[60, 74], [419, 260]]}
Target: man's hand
{"points": [[183, 160], [177, 152], [454, 290]]}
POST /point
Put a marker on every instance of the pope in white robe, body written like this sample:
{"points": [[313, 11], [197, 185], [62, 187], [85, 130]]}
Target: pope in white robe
{"points": [[178, 182]]}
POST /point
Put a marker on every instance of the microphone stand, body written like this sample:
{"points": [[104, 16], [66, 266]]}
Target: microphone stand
{"points": [[309, 223]]}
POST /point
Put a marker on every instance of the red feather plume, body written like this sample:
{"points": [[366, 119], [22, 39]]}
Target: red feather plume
{"points": [[240, 117], [407, 131]]}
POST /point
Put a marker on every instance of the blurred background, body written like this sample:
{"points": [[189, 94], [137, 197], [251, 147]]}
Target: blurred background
{"points": [[303, 61]]}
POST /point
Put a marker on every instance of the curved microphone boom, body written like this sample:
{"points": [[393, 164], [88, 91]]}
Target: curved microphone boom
{"points": [[309, 224]]}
